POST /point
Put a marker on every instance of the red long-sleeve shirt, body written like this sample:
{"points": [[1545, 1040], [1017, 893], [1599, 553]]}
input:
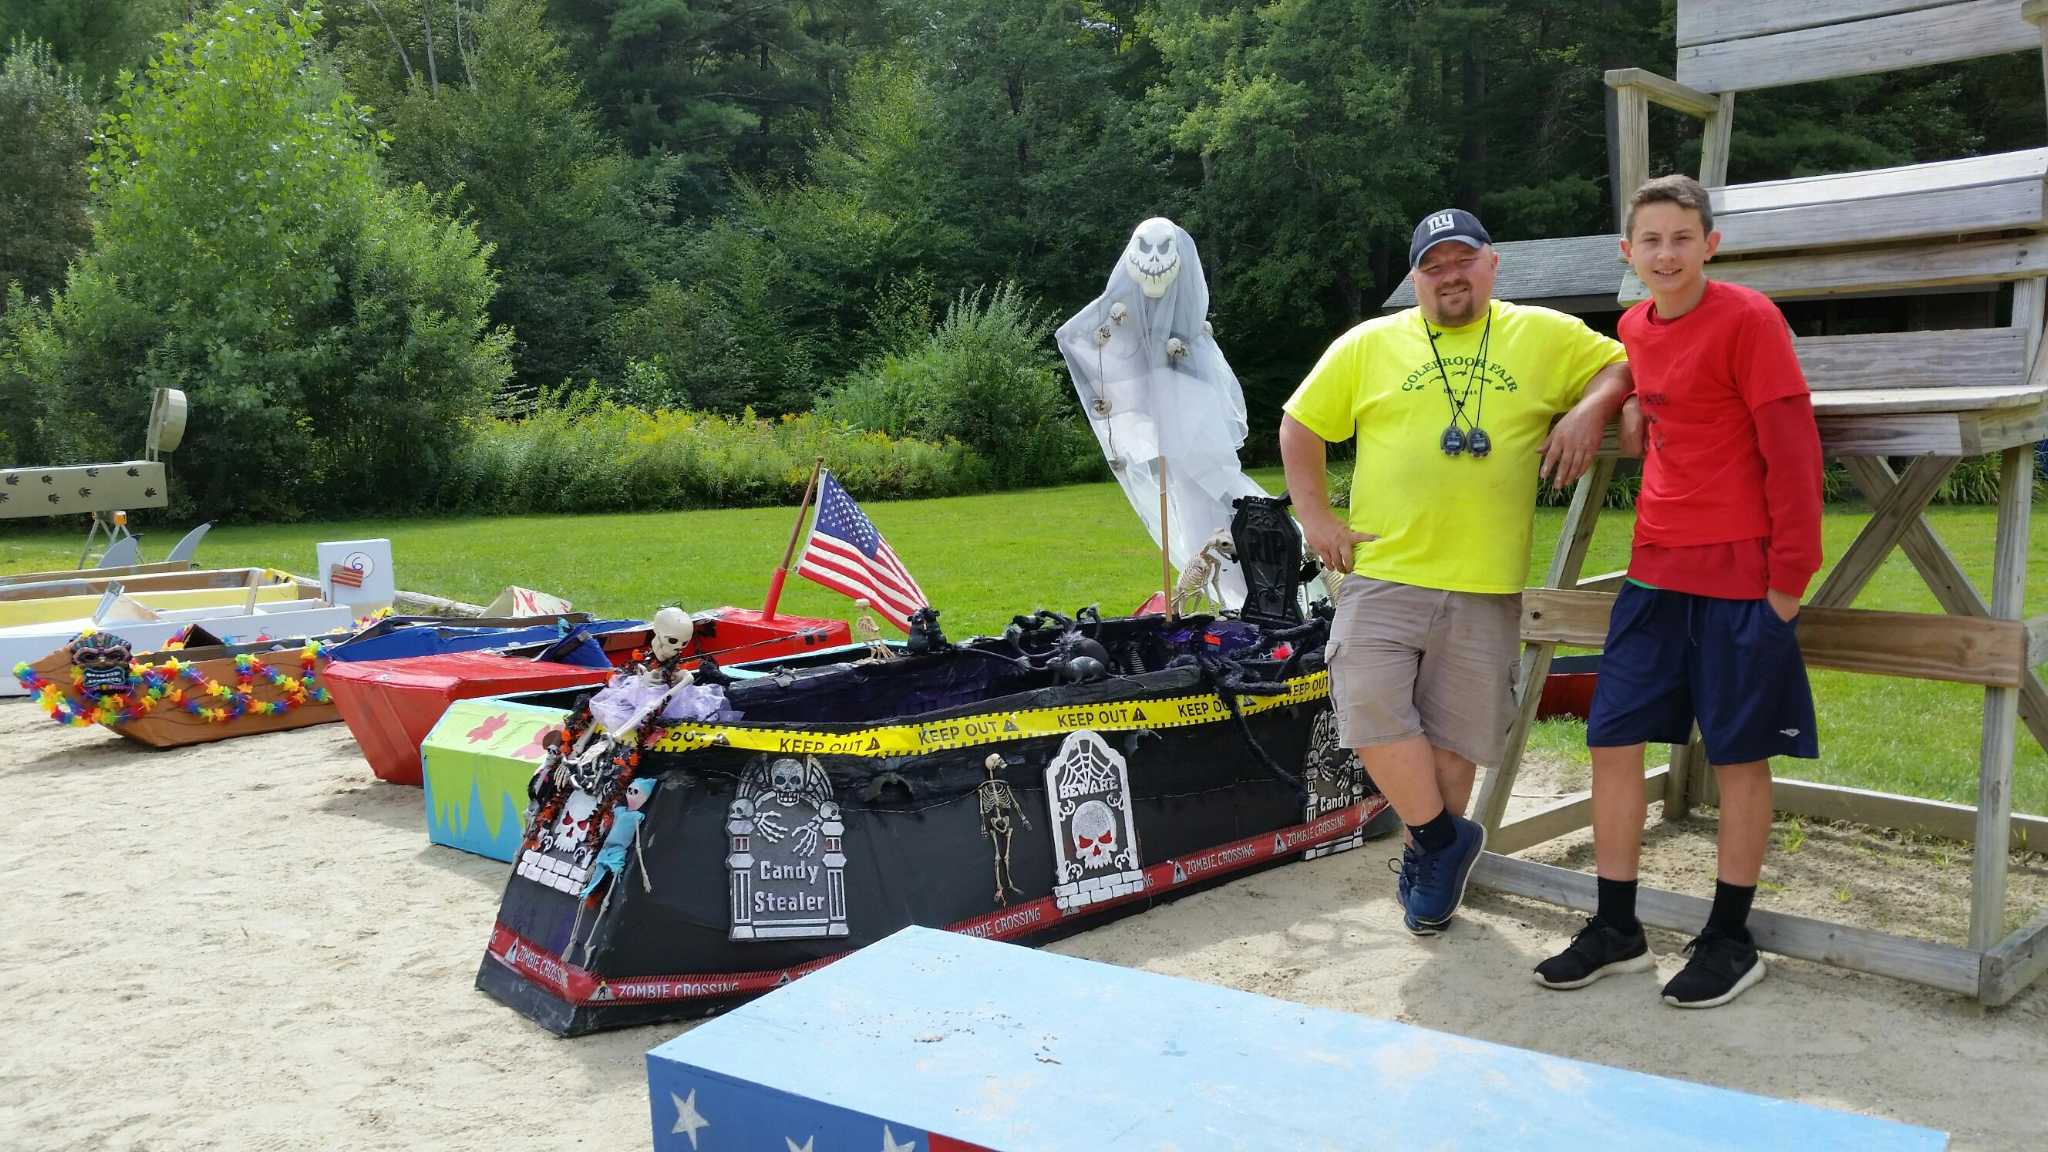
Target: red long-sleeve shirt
{"points": [[1731, 496]]}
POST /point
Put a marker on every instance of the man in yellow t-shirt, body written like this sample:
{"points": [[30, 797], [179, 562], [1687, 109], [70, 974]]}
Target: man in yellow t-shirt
{"points": [[1452, 402]]}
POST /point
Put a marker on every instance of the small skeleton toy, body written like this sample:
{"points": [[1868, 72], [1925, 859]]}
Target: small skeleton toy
{"points": [[1198, 579], [998, 801], [869, 631]]}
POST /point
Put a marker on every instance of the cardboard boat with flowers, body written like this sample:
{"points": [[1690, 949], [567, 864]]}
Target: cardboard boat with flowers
{"points": [[181, 696], [691, 844]]}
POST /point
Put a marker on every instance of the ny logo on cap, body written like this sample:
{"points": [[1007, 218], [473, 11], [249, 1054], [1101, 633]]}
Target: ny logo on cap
{"points": [[1441, 222]]}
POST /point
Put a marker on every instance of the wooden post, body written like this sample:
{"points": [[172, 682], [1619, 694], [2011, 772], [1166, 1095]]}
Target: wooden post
{"points": [[1632, 110], [796, 532], [2001, 705], [2027, 296], [1565, 563], [1714, 143], [1165, 556]]}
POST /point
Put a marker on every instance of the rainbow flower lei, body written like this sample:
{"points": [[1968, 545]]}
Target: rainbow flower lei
{"points": [[179, 684]]}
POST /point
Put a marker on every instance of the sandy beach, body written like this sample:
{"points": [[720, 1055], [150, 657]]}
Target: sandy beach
{"points": [[251, 945]]}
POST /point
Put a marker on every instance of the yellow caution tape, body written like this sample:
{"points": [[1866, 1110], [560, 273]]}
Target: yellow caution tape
{"points": [[991, 728]]}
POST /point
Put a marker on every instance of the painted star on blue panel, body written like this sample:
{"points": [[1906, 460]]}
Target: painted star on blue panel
{"points": [[688, 1122], [889, 1143], [796, 1147]]}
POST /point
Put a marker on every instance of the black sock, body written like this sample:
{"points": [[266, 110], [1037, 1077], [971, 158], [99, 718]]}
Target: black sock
{"points": [[1618, 905], [1436, 835], [1731, 908]]}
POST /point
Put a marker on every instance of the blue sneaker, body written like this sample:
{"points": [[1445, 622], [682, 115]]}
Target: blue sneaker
{"points": [[1439, 884], [1404, 871]]}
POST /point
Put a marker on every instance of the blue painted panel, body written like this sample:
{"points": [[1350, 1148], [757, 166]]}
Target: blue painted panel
{"points": [[1020, 1050]]}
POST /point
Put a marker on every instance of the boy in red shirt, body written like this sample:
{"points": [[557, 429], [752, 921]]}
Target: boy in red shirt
{"points": [[1727, 537]]}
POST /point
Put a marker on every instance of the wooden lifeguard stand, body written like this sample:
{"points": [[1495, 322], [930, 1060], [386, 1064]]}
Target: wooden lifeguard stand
{"points": [[1932, 396]]}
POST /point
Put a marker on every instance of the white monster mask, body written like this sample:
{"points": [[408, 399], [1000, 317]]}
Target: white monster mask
{"points": [[1153, 256], [671, 633]]}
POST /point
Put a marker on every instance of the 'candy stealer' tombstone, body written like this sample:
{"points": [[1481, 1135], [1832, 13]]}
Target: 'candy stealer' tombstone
{"points": [[936, 1042]]}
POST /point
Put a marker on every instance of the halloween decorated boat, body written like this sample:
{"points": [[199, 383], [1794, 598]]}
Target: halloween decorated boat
{"points": [[182, 696], [1018, 787], [695, 839]]}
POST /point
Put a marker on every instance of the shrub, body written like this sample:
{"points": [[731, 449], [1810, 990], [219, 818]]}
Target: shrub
{"points": [[584, 454], [987, 377]]}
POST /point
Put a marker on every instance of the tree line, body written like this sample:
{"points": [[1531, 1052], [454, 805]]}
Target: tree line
{"points": [[360, 233]]}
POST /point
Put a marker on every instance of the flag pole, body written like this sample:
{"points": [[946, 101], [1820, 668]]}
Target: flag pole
{"points": [[1165, 556], [796, 532]]}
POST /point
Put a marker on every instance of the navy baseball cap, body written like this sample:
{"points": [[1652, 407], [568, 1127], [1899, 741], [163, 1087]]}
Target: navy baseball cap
{"points": [[1449, 224]]}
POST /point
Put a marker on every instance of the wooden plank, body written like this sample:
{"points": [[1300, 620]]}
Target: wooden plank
{"points": [[1889, 522], [1632, 127], [1562, 818], [1909, 434], [2037, 640], [1605, 582], [1894, 361], [1999, 429], [1700, 21], [1860, 48], [1565, 563], [1714, 142], [2018, 961], [2027, 296], [1941, 818], [1942, 966], [1952, 589], [1879, 272], [1996, 168], [1952, 399], [1976, 210], [1669, 93], [1961, 649], [2001, 703]]}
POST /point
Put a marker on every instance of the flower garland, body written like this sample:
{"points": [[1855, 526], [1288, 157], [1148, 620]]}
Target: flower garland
{"points": [[183, 686]]}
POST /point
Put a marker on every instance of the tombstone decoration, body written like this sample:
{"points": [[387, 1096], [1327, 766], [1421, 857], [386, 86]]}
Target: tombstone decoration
{"points": [[1268, 546], [1334, 780], [560, 849], [788, 862], [1095, 841]]}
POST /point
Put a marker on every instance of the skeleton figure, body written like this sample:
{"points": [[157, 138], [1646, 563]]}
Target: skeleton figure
{"points": [[1160, 397], [1199, 578], [998, 803], [869, 630], [792, 783], [671, 630], [104, 660]]}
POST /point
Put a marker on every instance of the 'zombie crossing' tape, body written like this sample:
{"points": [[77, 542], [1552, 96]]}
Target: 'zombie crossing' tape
{"points": [[991, 728]]}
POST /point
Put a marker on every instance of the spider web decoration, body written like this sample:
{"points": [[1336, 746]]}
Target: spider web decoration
{"points": [[1088, 769]]}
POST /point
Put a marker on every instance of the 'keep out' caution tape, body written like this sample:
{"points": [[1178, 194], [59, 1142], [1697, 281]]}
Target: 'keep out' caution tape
{"points": [[991, 728]]}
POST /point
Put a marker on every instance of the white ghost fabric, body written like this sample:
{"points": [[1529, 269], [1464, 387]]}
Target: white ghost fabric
{"points": [[1154, 384]]}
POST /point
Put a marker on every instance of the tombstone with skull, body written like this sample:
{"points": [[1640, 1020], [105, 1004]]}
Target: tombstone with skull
{"points": [[787, 861], [104, 662], [1095, 838]]}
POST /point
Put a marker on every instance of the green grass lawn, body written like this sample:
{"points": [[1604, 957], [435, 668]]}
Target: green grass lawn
{"points": [[983, 558]]}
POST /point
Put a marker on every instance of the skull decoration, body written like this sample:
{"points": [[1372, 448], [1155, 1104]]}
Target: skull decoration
{"points": [[1094, 834], [672, 629], [103, 660], [1117, 312], [1176, 348], [786, 782], [570, 837], [1153, 256]]}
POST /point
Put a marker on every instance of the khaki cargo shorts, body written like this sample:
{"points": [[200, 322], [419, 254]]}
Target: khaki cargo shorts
{"points": [[1407, 661]]}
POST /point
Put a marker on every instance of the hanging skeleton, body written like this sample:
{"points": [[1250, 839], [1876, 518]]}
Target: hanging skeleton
{"points": [[626, 819], [1160, 397], [998, 804]]}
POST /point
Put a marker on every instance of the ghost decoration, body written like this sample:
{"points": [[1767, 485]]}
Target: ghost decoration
{"points": [[1159, 395]]}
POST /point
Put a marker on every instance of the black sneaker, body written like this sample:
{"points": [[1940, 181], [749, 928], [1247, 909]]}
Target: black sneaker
{"points": [[1598, 950], [1723, 965]]}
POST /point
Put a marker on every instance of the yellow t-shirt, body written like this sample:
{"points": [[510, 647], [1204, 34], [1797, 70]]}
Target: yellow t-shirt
{"points": [[1451, 522]]}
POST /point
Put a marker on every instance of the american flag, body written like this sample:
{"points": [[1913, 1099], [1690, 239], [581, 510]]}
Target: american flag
{"points": [[847, 555]]}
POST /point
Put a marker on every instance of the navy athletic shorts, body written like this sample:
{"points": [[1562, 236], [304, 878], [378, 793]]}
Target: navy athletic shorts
{"points": [[1732, 665]]}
